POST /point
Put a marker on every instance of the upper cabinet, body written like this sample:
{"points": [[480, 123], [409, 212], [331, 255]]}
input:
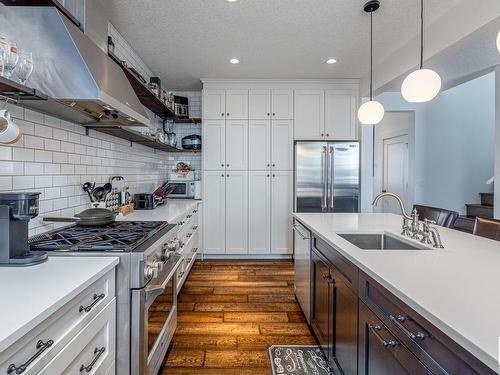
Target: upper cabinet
{"points": [[340, 115], [325, 115], [214, 104], [270, 104], [237, 104], [309, 114]]}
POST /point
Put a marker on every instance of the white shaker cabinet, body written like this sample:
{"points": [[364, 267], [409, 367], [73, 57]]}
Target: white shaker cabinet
{"points": [[259, 212], [214, 144], [214, 104], [282, 145], [237, 212], [214, 212], [259, 145], [282, 104], [236, 143], [237, 104], [309, 114], [259, 104], [340, 115], [281, 212]]}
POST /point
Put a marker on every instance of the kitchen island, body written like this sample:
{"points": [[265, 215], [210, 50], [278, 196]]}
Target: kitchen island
{"points": [[454, 289]]}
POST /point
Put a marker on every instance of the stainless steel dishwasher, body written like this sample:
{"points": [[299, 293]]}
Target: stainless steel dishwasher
{"points": [[302, 255]]}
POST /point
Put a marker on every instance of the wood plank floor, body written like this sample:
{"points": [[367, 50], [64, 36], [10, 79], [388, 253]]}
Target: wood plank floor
{"points": [[229, 312]]}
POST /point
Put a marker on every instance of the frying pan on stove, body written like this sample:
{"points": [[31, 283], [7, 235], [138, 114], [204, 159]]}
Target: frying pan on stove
{"points": [[92, 217]]}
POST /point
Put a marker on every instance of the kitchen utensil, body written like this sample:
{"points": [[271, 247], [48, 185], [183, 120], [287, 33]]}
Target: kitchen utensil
{"points": [[107, 188], [87, 218], [98, 193], [88, 187], [191, 142]]}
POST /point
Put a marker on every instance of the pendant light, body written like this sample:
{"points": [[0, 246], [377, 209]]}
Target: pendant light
{"points": [[423, 84], [371, 112]]}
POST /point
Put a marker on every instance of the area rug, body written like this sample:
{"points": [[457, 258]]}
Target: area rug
{"points": [[298, 360]]}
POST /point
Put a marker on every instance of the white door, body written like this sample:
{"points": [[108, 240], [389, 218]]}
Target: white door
{"points": [[309, 114], [259, 104], [282, 145], [395, 174], [237, 212], [214, 212], [282, 104], [259, 212], [236, 145], [259, 144], [214, 144], [340, 116], [281, 212], [237, 104], [214, 104]]}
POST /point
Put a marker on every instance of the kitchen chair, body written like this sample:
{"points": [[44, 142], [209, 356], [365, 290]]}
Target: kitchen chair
{"points": [[442, 217], [488, 228]]}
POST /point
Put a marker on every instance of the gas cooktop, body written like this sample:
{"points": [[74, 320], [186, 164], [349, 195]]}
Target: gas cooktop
{"points": [[121, 236]]}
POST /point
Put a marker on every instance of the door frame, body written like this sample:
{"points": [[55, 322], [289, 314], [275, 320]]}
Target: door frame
{"points": [[406, 127], [385, 143]]}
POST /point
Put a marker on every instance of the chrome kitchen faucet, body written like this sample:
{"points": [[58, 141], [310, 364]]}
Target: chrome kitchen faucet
{"points": [[411, 224]]}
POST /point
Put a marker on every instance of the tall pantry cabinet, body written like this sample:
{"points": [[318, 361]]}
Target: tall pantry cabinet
{"points": [[248, 171]]}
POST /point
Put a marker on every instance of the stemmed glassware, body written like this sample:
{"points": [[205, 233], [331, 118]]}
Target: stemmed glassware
{"points": [[10, 59], [24, 66]]}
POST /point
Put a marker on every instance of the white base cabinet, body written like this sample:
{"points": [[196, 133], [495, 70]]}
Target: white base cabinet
{"points": [[281, 212]]}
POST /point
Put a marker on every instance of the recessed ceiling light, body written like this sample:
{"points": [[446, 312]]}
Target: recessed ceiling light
{"points": [[231, 1], [331, 61], [234, 61]]}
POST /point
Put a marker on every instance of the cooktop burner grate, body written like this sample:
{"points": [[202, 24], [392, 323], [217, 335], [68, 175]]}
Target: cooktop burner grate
{"points": [[119, 236]]}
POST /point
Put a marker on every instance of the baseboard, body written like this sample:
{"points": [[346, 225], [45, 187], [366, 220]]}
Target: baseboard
{"points": [[247, 256]]}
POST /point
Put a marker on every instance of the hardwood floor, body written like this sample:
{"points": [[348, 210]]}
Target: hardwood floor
{"points": [[229, 313]]}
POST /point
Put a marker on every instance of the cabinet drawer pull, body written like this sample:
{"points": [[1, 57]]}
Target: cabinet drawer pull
{"points": [[398, 322], [194, 250], [296, 228], [189, 235], [181, 274], [97, 353], [41, 346], [387, 344], [329, 279], [195, 227], [97, 298], [195, 211], [189, 216]]}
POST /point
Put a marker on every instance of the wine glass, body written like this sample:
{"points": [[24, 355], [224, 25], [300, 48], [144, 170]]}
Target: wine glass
{"points": [[24, 66], [11, 58]]}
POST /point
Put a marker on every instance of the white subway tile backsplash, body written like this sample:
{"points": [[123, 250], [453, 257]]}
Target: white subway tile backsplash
{"points": [[52, 121], [60, 180], [59, 157], [52, 145], [53, 193], [43, 181], [25, 126], [33, 169], [74, 159], [45, 206], [31, 141], [11, 168], [5, 153], [43, 156], [5, 183], [67, 147], [73, 137], [23, 182], [67, 169], [52, 169], [60, 203], [80, 149], [43, 131], [23, 154], [59, 134], [33, 116]]}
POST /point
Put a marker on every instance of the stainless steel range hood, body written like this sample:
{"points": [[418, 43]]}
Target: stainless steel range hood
{"points": [[84, 84]]}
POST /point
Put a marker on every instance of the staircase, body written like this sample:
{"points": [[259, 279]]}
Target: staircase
{"points": [[484, 209]]}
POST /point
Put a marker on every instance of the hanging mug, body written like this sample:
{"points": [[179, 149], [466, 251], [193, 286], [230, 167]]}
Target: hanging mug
{"points": [[9, 132]]}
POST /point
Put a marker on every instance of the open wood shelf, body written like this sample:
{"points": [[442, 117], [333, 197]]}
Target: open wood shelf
{"points": [[17, 91], [145, 95], [43, 3]]}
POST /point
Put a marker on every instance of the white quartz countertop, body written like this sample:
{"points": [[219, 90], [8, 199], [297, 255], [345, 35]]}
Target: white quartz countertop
{"points": [[30, 295], [171, 212], [455, 288]]}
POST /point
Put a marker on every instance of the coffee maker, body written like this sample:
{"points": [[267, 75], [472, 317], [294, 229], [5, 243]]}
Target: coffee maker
{"points": [[16, 210]]}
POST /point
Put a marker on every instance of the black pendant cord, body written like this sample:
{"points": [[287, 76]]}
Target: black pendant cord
{"points": [[371, 55], [421, 34]]}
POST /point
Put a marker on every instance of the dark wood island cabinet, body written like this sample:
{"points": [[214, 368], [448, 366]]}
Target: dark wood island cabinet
{"points": [[365, 329]]}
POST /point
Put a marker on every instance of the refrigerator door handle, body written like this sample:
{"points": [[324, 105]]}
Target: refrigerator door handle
{"points": [[332, 173], [324, 178]]}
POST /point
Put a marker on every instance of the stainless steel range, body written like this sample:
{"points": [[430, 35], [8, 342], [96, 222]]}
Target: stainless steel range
{"points": [[145, 282]]}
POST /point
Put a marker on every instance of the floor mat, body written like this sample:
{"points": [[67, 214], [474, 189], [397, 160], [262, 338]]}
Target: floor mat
{"points": [[298, 360]]}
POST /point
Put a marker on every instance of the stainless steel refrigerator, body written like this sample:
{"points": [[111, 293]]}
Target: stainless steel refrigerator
{"points": [[327, 177]]}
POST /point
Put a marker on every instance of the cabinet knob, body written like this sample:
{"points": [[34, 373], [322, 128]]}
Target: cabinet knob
{"points": [[227, 114], [327, 134], [274, 175], [222, 114], [274, 165], [222, 165], [274, 114], [269, 114], [222, 175], [267, 175], [322, 134], [227, 165], [268, 165]]}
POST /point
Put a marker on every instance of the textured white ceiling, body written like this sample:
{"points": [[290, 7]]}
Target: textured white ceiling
{"points": [[185, 40]]}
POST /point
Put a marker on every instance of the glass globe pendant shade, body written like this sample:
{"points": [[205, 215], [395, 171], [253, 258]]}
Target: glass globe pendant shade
{"points": [[498, 41], [421, 86], [371, 113]]}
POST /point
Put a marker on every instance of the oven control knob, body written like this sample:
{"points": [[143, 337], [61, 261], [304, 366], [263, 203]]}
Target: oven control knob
{"points": [[158, 264], [150, 272]]}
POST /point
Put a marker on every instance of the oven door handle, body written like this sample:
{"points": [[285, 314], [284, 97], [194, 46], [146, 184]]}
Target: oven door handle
{"points": [[153, 291]]}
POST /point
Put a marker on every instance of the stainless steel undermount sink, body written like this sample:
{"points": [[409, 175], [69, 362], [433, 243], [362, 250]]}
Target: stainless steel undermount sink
{"points": [[380, 241]]}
